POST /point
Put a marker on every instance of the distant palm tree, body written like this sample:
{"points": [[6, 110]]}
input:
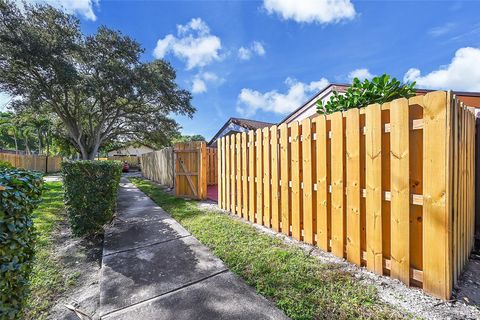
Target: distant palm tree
{"points": [[9, 127]]}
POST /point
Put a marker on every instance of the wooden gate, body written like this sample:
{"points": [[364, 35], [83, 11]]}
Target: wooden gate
{"points": [[191, 169]]}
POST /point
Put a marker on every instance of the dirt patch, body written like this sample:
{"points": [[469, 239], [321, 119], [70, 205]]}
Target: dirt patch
{"points": [[465, 303], [81, 257], [468, 288]]}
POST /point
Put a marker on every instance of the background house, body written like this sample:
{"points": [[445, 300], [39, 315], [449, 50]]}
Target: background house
{"points": [[130, 150], [236, 125]]}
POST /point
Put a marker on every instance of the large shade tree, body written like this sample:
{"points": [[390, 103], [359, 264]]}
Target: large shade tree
{"points": [[96, 85]]}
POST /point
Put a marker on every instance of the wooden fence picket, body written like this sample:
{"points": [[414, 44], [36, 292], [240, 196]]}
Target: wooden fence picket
{"points": [[275, 179], [252, 197], [244, 207], [307, 176], [338, 193], [259, 176], [266, 176], [295, 176], [284, 180], [354, 253], [373, 165]]}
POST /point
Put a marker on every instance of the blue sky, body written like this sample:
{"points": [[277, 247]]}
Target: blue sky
{"points": [[263, 59]]}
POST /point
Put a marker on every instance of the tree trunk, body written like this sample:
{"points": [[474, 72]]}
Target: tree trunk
{"points": [[27, 149], [39, 141], [16, 143], [94, 152]]}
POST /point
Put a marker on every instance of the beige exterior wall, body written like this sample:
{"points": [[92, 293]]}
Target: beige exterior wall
{"points": [[130, 151], [310, 108]]}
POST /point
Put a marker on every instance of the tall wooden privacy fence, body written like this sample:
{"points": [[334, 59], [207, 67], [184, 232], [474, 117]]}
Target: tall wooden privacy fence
{"points": [[159, 166], [387, 186], [33, 162]]}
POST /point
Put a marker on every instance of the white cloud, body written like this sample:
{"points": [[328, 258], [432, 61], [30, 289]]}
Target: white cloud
{"points": [[198, 85], [255, 48], [81, 7], [361, 74], [193, 44], [441, 30], [249, 101], [319, 11], [196, 24], [163, 46], [200, 80], [463, 73], [244, 53], [258, 48]]}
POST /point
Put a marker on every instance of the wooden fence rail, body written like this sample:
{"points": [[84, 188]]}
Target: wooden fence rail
{"points": [[159, 166], [388, 186], [33, 162]]}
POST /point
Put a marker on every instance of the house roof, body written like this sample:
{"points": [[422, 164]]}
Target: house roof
{"points": [[246, 123], [339, 87], [130, 144], [469, 98]]}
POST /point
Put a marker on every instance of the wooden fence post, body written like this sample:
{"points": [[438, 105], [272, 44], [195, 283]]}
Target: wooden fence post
{"points": [[436, 217]]}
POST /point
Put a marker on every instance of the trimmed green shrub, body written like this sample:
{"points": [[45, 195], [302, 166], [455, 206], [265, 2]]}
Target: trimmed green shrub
{"points": [[90, 194], [6, 165], [360, 94], [20, 192]]}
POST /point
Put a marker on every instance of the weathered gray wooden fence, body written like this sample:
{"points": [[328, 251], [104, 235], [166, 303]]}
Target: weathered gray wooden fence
{"points": [[159, 166]]}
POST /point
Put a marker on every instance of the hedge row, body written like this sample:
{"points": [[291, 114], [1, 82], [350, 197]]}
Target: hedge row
{"points": [[20, 192], [90, 194]]}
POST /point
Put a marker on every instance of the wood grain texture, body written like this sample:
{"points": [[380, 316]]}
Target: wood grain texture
{"points": [[373, 165], [307, 175], [295, 176], [284, 180], [266, 177], [274, 153], [338, 192], [322, 183], [244, 211], [400, 190], [252, 186], [238, 156], [353, 186], [436, 219], [259, 176]]}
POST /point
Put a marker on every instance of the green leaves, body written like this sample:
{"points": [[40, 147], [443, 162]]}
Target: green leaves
{"points": [[20, 192], [90, 194], [361, 94]]}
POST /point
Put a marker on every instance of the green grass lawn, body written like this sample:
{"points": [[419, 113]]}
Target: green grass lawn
{"points": [[47, 281], [300, 285]]}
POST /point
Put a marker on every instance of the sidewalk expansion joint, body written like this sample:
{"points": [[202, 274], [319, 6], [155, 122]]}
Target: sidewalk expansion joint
{"points": [[163, 294], [146, 245]]}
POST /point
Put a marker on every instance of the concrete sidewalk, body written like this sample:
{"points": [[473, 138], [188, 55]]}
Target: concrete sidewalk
{"points": [[152, 268]]}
